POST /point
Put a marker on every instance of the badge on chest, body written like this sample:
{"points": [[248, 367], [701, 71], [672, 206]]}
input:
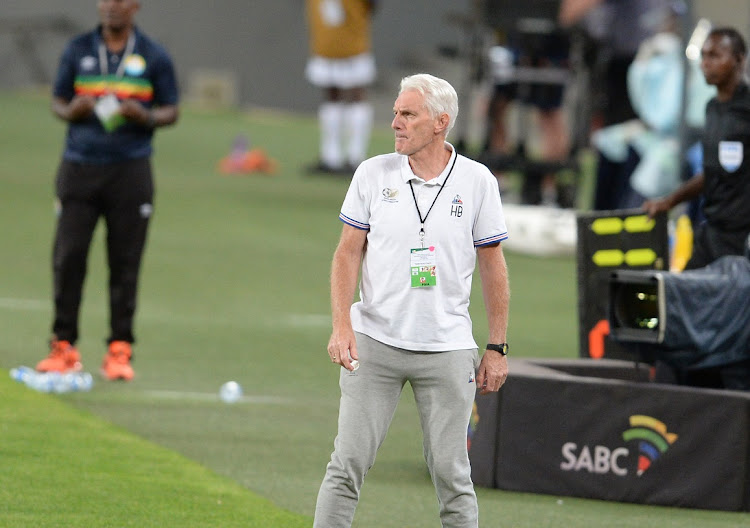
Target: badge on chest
{"points": [[423, 263], [730, 155]]}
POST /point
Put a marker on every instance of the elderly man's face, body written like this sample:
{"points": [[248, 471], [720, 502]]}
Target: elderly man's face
{"points": [[415, 128], [117, 14]]}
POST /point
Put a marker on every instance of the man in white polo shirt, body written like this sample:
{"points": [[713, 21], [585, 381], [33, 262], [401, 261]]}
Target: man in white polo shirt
{"points": [[415, 221]]}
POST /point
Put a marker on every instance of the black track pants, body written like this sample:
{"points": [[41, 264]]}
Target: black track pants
{"points": [[122, 194]]}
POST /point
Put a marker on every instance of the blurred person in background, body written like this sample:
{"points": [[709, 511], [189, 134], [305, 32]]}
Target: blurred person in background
{"points": [[341, 63], [668, 94], [415, 223], [114, 87], [617, 27], [543, 48], [725, 179]]}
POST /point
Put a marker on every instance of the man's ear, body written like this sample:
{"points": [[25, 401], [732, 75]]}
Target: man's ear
{"points": [[441, 123]]}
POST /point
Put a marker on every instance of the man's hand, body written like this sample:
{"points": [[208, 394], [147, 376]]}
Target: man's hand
{"points": [[342, 348], [493, 371], [132, 110], [80, 107], [655, 207]]}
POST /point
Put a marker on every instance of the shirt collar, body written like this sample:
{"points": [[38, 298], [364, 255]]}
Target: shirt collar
{"points": [[408, 175], [98, 33], [740, 90]]}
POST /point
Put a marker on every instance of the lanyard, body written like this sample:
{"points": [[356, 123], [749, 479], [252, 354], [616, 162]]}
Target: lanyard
{"points": [[104, 65], [423, 220]]}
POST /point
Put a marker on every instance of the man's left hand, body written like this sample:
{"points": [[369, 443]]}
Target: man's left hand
{"points": [[132, 110], [493, 371]]}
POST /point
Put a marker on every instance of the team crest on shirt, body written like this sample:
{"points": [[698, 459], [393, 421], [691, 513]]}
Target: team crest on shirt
{"points": [[457, 206], [390, 195], [730, 155], [135, 65], [88, 63]]}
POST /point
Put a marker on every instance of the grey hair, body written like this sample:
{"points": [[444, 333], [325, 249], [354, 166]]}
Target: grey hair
{"points": [[439, 95]]}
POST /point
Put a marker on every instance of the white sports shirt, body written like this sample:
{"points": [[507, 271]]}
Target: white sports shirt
{"points": [[467, 213]]}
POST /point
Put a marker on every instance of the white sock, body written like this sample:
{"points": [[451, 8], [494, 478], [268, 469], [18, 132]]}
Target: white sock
{"points": [[359, 117], [330, 119]]}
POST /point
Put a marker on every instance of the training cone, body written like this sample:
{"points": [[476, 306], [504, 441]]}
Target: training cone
{"points": [[243, 160]]}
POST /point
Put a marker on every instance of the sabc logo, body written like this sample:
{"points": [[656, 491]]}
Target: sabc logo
{"points": [[653, 441]]}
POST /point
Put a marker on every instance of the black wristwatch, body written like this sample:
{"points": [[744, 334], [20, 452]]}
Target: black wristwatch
{"points": [[502, 348]]}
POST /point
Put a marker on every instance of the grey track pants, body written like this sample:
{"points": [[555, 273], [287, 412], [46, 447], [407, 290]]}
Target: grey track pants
{"points": [[444, 389]]}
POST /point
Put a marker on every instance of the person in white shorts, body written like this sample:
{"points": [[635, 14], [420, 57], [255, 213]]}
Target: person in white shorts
{"points": [[342, 65], [415, 223]]}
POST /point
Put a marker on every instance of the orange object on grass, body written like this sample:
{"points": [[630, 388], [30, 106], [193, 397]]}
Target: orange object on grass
{"points": [[254, 160]]}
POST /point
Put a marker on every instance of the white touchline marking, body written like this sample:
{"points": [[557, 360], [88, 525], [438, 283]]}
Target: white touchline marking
{"points": [[24, 304], [289, 320], [210, 396], [234, 319]]}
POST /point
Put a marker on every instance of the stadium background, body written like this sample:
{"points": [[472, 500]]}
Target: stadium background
{"points": [[208, 314], [255, 50]]}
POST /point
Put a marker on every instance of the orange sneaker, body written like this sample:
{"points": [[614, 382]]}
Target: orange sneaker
{"points": [[116, 364], [63, 357]]}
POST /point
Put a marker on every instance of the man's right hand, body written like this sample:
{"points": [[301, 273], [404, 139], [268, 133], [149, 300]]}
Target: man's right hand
{"points": [[342, 348], [655, 207], [80, 107]]}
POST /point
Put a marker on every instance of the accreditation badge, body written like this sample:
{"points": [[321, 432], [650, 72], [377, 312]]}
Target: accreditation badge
{"points": [[423, 267], [730, 155], [107, 109]]}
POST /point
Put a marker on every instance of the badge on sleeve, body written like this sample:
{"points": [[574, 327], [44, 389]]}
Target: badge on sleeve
{"points": [[423, 267], [730, 155]]}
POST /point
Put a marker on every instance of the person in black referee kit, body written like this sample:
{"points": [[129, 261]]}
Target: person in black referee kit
{"points": [[725, 181], [114, 87]]}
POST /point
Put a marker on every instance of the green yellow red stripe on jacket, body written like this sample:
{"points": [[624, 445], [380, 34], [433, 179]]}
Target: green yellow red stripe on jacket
{"points": [[122, 87]]}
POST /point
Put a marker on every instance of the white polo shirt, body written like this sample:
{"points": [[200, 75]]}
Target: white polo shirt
{"points": [[466, 213]]}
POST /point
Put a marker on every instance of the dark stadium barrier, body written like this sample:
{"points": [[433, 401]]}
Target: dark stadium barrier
{"points": [[599, 430]]}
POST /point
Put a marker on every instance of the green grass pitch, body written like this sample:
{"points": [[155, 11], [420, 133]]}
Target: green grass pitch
{"points": [[234, 286]]}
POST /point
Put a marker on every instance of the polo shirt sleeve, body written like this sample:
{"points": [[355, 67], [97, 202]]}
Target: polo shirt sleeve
{"points": [[355, 210], [164, 81], [489, 222], [66, 72]]}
